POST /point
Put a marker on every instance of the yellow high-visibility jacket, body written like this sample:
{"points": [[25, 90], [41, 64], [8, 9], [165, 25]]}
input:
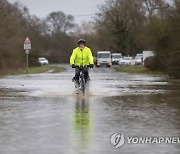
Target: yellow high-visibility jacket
{"points": [[81, 58]]}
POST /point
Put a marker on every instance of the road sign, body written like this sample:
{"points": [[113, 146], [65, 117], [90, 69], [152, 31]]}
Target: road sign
{"points": [[27, 44], [27, 47], [27, 40], [26, 51]]}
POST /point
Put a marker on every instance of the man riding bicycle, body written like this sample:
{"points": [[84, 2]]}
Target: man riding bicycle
{"points": [[81, 57]]}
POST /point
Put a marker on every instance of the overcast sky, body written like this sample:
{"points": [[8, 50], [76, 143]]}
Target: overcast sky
{"points": [[77, 8]]}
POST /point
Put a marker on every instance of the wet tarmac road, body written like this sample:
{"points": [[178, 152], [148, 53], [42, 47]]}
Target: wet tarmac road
{"points": [[42, 114]]}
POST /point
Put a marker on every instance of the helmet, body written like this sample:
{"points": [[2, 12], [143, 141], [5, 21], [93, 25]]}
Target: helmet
{"points": [[81, 41]]}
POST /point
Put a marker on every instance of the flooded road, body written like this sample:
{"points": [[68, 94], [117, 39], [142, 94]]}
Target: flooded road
{"points": [[42, 114]]}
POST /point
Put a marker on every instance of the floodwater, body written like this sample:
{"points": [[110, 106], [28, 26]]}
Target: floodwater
{"points": [[42, 114]]}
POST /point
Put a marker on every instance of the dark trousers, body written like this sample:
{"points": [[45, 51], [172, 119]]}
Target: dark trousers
{"points": [[78, 70]]}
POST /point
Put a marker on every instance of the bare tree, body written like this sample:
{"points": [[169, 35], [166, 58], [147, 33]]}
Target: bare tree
{"points": [[150, 6], [121, 20], [60, 22]]}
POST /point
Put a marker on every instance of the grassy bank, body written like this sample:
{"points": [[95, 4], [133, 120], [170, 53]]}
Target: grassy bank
{"points": [[137, 70], [36, 70]]}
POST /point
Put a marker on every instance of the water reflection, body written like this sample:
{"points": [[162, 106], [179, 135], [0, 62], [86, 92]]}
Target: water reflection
{"points": [[82, 124], [145, 114]]}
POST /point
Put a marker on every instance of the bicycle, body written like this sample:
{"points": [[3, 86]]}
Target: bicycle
{"points": [[82, 82]]}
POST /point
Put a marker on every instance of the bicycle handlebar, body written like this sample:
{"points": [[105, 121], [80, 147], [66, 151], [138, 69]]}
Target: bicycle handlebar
{"points": [[83, 66]]}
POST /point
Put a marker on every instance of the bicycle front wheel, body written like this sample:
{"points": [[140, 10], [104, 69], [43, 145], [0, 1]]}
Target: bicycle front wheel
{"points": [[82, 84]]}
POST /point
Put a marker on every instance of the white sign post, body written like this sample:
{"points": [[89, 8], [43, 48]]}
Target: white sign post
{"points": [[27, 47]]}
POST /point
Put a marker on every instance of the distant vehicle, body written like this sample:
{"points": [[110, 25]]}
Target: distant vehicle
{"points": [[125, 61], [139, 55], [139, 59], [116, 57], [147, 54], [43, 61], [104, 58]]}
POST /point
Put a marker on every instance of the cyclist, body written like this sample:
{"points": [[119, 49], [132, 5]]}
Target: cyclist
{"points": [[81, 57]]}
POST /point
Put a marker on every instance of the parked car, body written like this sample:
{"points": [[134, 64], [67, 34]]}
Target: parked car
{"points": [[139, 55], [139, 61], [43, 61], [104, 58], [125, 61], [116, 57]]}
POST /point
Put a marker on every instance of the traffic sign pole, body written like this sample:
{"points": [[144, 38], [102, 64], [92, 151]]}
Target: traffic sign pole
{"points": [[27, 48], [27, 61]]}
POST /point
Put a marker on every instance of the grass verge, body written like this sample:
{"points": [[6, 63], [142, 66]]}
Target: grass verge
{"points": [[137, 70], [36, 70]]}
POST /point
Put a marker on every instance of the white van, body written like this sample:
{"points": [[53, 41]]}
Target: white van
{"points": [[147, 54], [104, 58]]}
